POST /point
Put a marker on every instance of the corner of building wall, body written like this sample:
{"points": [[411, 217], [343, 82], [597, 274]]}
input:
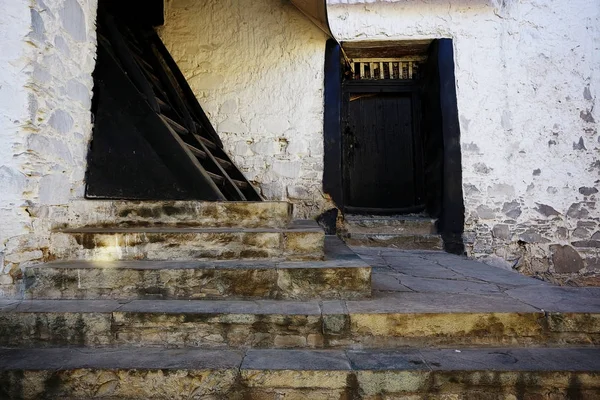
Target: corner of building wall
{"points": [[49, 151]]}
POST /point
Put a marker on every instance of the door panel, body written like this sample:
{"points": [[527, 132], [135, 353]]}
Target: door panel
{"points": [[379, 152]]}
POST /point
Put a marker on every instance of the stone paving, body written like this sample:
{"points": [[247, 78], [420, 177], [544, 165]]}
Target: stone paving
{"points": [[438, 277]]}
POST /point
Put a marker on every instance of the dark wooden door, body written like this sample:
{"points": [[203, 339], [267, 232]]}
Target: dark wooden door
{"points": [[382, 154]]}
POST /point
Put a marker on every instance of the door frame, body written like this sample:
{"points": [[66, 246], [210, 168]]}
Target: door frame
{"points": [[451, 218], [386, 86]]}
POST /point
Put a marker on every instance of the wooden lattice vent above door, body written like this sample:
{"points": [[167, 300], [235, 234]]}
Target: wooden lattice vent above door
{"points": [[405, 68]]}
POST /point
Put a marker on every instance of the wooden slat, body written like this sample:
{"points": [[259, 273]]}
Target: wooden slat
{"points": [[218, 179], [228, 184], [224, 163], [241, 184], [176, 127], [164, 107], [206, 142], [197, 152]]}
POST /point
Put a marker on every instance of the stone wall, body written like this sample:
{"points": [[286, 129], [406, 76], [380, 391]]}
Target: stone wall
{"points": [[45, 98], [257, 69], [528, 75]]}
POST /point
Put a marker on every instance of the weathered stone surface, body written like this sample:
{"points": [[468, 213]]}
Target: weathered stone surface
{"points": [[488, 373], [103, 213], [565, 259], [390, 319], [73, 20], [393, 224], [546, 210], [588, 191], [341, 275], [501, 231], [459, 302], [172, 243], [399, 241], [558, 299]]}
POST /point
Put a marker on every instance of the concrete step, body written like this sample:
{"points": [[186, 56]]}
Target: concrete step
{"points": [[301, 240], [388, 320], [199, 214], [486, 373], [394, 224], [342, 274], [395, 240]]}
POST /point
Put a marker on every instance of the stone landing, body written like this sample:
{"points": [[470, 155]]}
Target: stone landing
{"points": [[420, 299], [409, 232]]}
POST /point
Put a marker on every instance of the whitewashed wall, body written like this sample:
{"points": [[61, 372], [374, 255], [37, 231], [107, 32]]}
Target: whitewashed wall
{"points": [[46, 62], [257, 68], [527, 81], [528, 75]]}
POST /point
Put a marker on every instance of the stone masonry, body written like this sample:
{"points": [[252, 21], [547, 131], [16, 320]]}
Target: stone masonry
{"points": [[46, 84], [527, 82]]}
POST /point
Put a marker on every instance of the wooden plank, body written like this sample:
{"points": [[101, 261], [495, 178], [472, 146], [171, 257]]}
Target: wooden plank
{"points": [[164, 107], [206, 142], [228, 184], [177, 127], [197, 152]]}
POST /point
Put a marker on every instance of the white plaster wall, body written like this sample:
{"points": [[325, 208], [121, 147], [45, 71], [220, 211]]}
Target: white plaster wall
{"points": [[14, 27], [527, 81], [46, 64], [256, 67]]}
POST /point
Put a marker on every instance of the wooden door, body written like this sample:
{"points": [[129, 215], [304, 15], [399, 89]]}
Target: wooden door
{"points": [[382, 152]]}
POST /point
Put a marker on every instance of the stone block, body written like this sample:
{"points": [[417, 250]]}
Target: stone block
{"points": [[72, 19]]}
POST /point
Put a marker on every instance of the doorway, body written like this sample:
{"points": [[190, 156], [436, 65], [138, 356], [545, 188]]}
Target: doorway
{"points": [[391, 132], [382, 149]]}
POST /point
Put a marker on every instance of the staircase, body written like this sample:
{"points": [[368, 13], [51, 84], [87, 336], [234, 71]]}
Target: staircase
{"points": [[151, 137], [183, 299], [409, 232]]}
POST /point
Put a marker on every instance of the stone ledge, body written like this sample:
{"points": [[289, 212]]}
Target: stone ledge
{"points": [[342, 275], [301, 240], [111, 213], [405, 319], [395, 240], [401, 224], [259, 374]]}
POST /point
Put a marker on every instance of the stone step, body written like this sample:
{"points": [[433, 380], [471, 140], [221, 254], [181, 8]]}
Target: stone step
{"points": [[301, 240], [394, 224], [199, 214], [395, 240], [389, 320], [342, 274], [485, 373]]}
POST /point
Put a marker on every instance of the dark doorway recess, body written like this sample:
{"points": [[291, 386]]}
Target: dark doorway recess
{"points": [[381, 148], [392, 146], [151, 138]]}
